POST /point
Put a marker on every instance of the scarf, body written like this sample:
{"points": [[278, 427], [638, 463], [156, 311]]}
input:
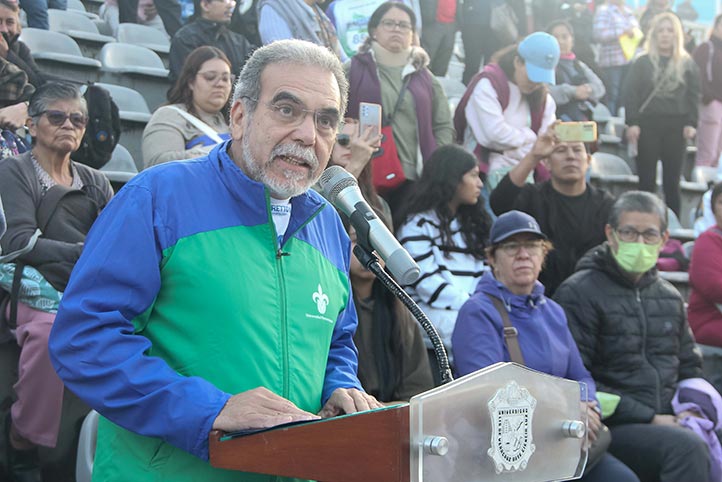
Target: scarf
{"points": [[365, 86]]}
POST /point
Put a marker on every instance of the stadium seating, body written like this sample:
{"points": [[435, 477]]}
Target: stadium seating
{"points": [[78, 6], [58, 54], [80, 28], [135, 67]]}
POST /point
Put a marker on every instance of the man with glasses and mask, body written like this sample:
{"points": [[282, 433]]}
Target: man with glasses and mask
{"points": [[214, 293], [631, 329], [209, 26]]}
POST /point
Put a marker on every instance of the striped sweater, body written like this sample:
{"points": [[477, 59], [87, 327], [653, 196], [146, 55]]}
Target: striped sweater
{"points": [[449, 273]]}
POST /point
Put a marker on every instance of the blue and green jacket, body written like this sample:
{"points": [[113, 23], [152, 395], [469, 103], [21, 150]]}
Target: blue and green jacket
{"points": [[183, 297]]}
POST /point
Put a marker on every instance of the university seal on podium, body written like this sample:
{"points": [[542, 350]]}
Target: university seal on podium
{"points": [[512, 412]]}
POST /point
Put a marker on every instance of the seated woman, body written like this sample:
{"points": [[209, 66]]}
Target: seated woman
{"points": [[705, 277], [576, 84], [392, 360], [194, 120], [30, 184], [444, 227], [507, 104], [516, 254]]}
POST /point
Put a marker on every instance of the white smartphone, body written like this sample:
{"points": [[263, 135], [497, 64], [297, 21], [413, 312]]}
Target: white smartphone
{"points": [[369, 115]]}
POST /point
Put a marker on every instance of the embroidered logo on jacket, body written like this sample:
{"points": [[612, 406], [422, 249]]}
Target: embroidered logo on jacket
{"points": [[321, 300]]}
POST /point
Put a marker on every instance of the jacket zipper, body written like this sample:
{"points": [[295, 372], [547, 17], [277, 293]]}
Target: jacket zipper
{"points": [[282, 288], [657, 380]]}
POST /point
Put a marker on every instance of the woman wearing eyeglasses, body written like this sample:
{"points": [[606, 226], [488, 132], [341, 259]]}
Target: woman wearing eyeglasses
{"points": [[50, 203], [389, 71], [194, 120], [510, 294]]}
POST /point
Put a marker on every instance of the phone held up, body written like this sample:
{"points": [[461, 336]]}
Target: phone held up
{"points": [[576, 131], [369, 115]]}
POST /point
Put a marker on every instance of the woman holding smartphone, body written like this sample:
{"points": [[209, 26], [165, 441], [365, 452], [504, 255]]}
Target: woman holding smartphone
{"points": [[391, 72]]}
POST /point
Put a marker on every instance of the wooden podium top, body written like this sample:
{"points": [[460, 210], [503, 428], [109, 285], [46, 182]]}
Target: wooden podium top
{"points": [[360, 447]]}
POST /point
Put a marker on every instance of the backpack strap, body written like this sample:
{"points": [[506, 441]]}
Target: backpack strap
{"points": [[511, 334]]}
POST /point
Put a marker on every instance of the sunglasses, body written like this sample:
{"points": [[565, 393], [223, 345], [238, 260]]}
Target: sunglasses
{"points": [[343, 140], [57, 118]]}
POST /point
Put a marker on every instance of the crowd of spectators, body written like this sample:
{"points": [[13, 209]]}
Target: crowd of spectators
{"points": [[570, 266]]}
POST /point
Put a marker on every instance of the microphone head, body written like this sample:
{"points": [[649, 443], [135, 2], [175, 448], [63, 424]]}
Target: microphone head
{"points": [[334, 180]]}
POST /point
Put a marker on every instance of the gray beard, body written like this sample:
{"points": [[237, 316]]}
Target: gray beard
{"points": [[292, 184]]}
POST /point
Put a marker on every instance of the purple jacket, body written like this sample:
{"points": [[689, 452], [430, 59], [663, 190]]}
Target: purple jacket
{"points": [[544, 338]]}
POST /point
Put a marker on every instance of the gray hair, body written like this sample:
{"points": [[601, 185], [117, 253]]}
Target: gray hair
{"points": [[298, 52], [52, 92], [640, 202]]}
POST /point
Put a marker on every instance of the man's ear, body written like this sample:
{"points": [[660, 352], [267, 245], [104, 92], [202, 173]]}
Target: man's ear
{"points": [[237, 120], [665, 238], [609, 233]]}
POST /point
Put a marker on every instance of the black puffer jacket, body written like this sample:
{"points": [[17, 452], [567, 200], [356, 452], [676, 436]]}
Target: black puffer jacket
{"points": [[633, 338]]}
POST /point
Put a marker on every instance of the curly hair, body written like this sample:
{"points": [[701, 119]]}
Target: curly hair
{"points": [[436, 188]]}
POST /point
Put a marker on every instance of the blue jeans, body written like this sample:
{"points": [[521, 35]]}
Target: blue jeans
{"points": [[613, 77], [37, 11]]}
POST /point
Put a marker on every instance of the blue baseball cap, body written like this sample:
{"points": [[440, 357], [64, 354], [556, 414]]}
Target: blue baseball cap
{"points": [[511, 223], [540, 52]]}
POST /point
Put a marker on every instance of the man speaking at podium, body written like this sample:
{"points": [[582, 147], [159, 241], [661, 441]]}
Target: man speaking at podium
{"points": [[206, 279]]}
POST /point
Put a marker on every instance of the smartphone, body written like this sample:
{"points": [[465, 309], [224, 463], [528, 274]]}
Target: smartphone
{"points": [[369, 115], [576, 131]]}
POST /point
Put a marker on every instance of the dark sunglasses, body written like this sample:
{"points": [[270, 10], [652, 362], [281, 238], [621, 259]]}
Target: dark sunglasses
{"points": [[57, 118], [343, 140]]}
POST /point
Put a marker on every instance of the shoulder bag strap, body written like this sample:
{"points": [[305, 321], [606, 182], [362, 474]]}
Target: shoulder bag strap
{"points": [[649, 98], [198, 124], [404, 85], [511, 334]]}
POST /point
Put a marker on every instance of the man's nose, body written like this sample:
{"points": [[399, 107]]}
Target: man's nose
{"points": [[305, 132]]}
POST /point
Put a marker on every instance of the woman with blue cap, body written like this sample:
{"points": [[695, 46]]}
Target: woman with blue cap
{"points": [[507, 104], [510, 297]]}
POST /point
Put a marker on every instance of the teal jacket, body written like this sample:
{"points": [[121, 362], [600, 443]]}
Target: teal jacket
{"points": [[183, 297]]}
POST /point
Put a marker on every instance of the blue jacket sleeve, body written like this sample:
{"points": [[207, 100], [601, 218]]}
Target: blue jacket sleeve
{"points": [[476, 341], [576, 369], [342, 365], [93, 346]]}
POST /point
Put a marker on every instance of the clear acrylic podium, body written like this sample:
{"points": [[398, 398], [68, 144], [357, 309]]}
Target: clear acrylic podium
{"points": [[503, 423]]}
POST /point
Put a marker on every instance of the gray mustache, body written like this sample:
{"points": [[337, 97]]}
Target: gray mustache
{"points": [[295, 150]]}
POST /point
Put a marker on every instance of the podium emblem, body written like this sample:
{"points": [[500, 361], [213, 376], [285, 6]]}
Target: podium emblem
{"points": [[512, 412]]}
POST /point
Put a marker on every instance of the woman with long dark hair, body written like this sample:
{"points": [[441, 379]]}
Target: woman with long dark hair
{"points": [[445, 228], [194, 120]]}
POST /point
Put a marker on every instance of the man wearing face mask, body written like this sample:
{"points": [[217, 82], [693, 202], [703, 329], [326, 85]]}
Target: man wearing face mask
{"points": [[632, 333]]}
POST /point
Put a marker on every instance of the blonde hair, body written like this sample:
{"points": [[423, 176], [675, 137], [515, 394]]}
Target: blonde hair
{"points": [[670, 77]]}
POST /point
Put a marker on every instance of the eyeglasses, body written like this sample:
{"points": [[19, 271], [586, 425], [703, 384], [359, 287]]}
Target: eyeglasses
{"points": [[291, 114], [343, 140], [392, 24], [513, 248], [631, 235], [212, 77], [57, 118]]}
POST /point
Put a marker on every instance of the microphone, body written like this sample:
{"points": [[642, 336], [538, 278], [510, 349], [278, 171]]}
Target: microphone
{"points": [[341, 189]]}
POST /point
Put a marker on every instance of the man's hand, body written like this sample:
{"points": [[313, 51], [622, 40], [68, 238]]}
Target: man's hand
{"points": [[258, 408], [664, 420], [633, 133], [594, 421], [348, 400], [545, 143], [14, 116]]}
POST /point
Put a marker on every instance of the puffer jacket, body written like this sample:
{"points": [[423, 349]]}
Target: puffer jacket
{"points": [[633, 337]]}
